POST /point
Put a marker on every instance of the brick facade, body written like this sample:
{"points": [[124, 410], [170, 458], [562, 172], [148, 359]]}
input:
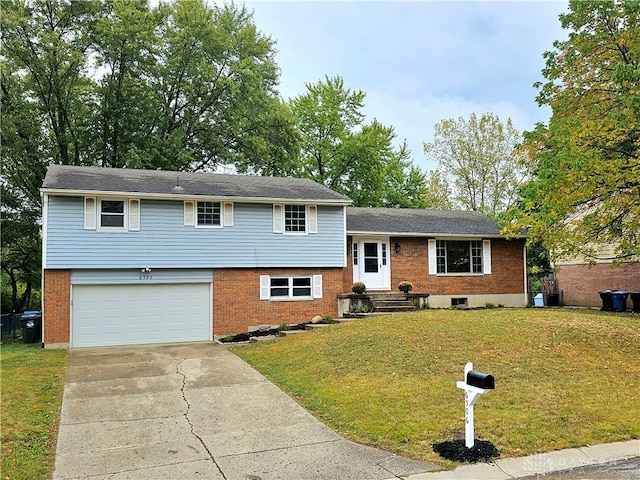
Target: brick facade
{"points": [[412, 264], [580, 284], [237, 305], [236, 292], [56, 304]]}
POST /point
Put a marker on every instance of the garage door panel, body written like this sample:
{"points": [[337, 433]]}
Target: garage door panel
{"points": [[138, 314]]}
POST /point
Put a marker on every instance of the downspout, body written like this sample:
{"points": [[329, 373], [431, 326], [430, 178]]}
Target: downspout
{"points": [[526, 280], [44, 198]]}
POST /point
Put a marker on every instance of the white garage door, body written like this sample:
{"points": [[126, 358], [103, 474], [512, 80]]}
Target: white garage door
{"points": [[136, 314]]}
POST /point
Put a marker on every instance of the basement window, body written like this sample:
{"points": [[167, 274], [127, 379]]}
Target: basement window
{"points": [[459, 302]]}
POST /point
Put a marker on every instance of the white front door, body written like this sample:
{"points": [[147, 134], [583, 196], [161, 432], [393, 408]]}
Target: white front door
{"points": [[371, 263]]}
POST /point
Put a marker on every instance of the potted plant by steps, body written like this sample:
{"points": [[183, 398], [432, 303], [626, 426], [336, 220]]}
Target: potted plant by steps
{"points": [[405, 287], [359, 288]]}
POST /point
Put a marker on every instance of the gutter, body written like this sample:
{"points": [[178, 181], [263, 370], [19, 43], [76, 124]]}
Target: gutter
{"points": [[181, 197]]}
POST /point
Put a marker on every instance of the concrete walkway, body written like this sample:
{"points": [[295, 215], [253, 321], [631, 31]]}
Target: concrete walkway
{"points": [[190, 411]]}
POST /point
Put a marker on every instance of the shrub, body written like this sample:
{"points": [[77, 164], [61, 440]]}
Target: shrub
{"points": [[361, 308], [405, 287], [359, 288]]}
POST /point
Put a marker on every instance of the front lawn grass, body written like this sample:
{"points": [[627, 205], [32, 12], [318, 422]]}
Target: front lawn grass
{"points": [[564, 378], [32, 386]]}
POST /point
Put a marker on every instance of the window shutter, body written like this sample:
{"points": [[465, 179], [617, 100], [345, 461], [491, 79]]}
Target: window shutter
{"points": [[265, 284], [189, 214], [89, 213], [227, 218], [277, 218], [317, 286], [433, 262], [134, 214], [313, 218], [486, 257]]}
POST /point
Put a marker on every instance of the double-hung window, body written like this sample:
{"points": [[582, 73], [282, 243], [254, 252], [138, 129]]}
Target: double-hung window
{"points": [[295, 218], [209, 214], [294, 287], [112, 214], [459, 257], [290, 287]]}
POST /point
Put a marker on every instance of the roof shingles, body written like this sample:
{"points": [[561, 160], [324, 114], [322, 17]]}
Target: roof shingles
{"points": [[419, 222], [160, 182]]}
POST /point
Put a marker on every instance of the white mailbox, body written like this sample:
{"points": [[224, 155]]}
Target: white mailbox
{"points": [[474, 384]]}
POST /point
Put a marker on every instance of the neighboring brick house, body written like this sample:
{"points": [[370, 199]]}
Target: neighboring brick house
{"points": [[145, 256], [580, 281]]}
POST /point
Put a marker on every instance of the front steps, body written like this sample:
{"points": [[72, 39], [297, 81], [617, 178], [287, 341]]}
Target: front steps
{"points": [[391, 303]]}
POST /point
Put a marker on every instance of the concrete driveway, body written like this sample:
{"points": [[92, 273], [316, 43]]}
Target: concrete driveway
{"points": [[189, 411]]}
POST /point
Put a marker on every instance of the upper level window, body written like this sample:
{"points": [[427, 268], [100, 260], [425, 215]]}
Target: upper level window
{"points": [[112, 214], [454, 256], [295, 218], [209, 213]]}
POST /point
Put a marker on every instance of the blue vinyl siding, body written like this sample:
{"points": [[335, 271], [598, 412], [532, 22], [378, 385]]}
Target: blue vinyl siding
{"points": [[164, 242], [136, 277]]}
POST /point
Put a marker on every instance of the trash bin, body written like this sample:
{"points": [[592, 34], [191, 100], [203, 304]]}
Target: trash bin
{"points": [[635, 298], [537, 300], [619, 298], [607, 300], [553, 299], [31, 324]]}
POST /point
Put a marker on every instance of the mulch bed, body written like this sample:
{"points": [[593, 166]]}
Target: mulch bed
{"points": [[245, 337], [457, 451]]}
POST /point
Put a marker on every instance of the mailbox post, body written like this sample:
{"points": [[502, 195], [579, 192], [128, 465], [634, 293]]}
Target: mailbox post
{"points": [[475, 384]]}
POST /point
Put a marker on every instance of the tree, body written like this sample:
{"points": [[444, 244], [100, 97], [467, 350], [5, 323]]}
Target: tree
{"points": [[438, 196], [217, 83], [47, 42], [179, 86], [478, 158], [347, 155], [127, 38], [22, 172], [586, 185]]}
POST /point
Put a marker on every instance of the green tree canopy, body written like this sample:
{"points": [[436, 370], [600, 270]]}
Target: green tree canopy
{"points": [[179, 86], [438, 195], [478, 159], [339, 150], [586, 187], [20, 236]]}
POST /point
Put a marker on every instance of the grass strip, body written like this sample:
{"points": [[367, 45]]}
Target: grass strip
{"points": [[32, 381]]}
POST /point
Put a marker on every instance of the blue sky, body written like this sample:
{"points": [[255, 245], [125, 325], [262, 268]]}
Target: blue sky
{"points": [[418, 62]]}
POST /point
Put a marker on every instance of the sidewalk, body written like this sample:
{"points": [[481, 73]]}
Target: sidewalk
{"points": [[544, 464]]}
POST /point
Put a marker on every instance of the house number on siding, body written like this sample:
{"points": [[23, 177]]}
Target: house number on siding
{"points": [[145, 277]]}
